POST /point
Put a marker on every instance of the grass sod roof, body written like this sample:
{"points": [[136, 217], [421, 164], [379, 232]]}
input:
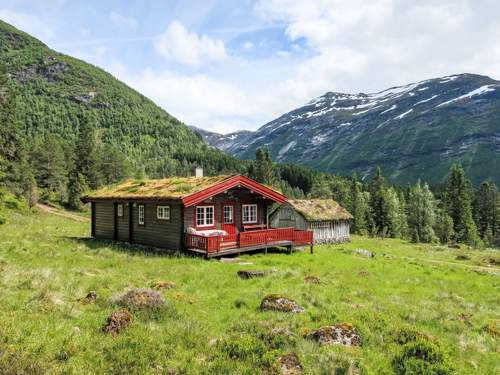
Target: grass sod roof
{"points": [[320, 209], [158, 189]]}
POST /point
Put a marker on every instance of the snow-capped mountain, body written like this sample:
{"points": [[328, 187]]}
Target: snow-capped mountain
{"points": [[412, 131]]}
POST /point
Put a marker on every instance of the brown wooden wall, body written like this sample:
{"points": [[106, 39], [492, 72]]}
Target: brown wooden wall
{"points": [[104, 227], [155, 232]]}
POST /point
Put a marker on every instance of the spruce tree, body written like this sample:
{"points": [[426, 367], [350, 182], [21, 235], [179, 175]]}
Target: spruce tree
{"points": [[76, 187], [357, 207], [444, 227], [264, 170], [421, 213], [378, 204], [458, 205], [487, 212], [86, 158]]}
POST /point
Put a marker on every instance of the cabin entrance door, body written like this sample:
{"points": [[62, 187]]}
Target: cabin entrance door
{"points": [[228, 222]]}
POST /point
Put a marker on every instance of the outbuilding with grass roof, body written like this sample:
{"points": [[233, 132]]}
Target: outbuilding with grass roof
{"points": [[326, 218]]}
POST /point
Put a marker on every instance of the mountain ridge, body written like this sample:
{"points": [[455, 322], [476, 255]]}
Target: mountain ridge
{"points": [[415, 131]]}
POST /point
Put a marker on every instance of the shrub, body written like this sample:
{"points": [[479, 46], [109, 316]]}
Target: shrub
{"points": [[421, 358]]}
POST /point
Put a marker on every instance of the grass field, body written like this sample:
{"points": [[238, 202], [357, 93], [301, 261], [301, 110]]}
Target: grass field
{"points": [[212, 323]]}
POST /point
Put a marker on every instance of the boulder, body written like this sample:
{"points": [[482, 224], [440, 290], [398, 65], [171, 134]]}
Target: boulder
{"points": [[312, 280], [249, 274], [462, 257], [365, 253], [162, 285], [137, 298], [90, 297], [340, 334], [278, 302], [117, 322], [289, 364]]}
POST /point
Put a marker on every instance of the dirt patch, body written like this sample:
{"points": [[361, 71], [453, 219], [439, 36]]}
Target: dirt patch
{"points": [[89, 298], [312, 280], [462, 257], [117, 322], [162, 285], [58, 212], [340, 334], [289, 364], [278, 302], [364, 273], [139, 299], [250, 274]]}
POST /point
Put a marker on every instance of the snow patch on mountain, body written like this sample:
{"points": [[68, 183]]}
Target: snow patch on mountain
{"points": [[480, 91], [285, 148], [403, 115], [426, 100]]}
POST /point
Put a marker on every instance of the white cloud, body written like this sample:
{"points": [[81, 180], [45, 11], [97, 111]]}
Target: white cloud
{"points": [[248, 46], [195, 100], [27, 23], [121, 20], [189, 48]]}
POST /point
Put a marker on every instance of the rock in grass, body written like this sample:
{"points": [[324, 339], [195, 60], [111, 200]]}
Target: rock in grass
{"points": [[162, 285], [278, 302], [289, 364], [249, 274], [90, 297], [365, 253], [462, 257], [137, 298], [117, 322], [340, 334], [312, 280]]}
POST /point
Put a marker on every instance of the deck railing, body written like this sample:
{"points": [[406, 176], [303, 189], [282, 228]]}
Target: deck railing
{"points": [[264, 237]]}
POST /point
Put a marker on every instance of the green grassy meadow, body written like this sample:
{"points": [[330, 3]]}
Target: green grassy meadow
{"points": [[212, 323]]}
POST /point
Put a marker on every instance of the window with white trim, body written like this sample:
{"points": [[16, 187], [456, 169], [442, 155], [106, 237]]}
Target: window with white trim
{"points": [[228, 215], [249, 213], [204, 216], [163, 212], [140, 210], [119, 210]]}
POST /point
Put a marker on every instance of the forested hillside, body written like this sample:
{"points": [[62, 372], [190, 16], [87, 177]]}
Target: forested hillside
{"points": [[50, 102]]}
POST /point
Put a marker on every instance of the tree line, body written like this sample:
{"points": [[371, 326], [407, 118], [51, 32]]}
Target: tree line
{"points": [[454, 213]]}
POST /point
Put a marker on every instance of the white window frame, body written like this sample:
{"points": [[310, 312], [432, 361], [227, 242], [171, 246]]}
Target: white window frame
{"points": [[231, 216], [204, 222], [163, 212], [141, 209], [249, 219], [119, 210]]}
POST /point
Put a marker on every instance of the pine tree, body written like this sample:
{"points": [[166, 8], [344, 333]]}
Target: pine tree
{"points": [[421, 213], [395, 211], [458, 205]]}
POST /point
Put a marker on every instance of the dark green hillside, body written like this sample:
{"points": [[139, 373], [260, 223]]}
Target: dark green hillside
{"points": [[54, 92]]}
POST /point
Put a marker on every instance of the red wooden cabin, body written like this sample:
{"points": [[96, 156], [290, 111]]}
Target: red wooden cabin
{"points": [[212, 216]]}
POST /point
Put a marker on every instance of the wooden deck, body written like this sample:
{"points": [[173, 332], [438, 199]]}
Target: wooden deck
{"points": [[248, 241]]}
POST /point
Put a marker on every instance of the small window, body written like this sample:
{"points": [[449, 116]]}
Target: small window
{"points": [[163, 212], [204, 216], [141, 214], [249, 213], [119, 210], [228, 215]]}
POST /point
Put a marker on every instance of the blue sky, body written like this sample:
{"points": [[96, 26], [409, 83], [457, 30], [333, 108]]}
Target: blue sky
{"points": [[228, 65]]}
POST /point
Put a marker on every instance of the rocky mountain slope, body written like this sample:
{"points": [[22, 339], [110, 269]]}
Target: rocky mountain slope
{"points": [[53, 91], [413, 131]]}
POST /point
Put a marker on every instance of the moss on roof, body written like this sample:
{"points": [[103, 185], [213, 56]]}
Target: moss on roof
{"points": [[320, 209], [166, 188]]}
